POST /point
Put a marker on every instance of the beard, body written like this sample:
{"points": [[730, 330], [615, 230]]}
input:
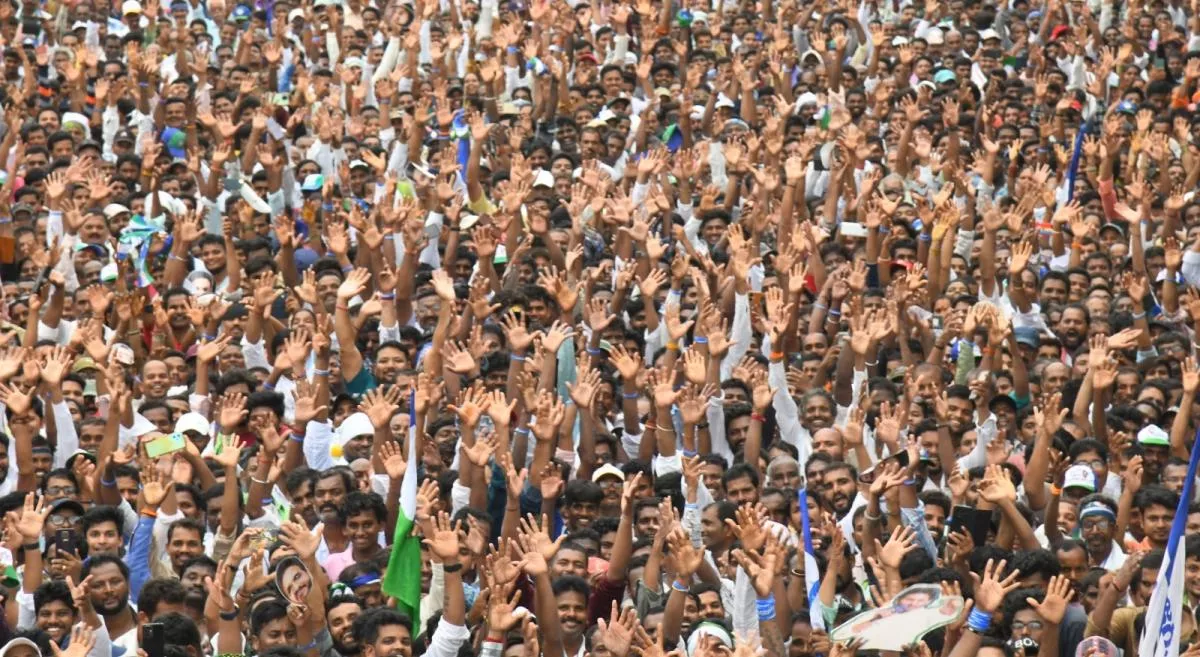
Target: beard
{"points": [[345, 649]]}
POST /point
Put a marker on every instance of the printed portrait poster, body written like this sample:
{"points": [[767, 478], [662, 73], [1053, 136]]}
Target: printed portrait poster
{"points": [[916, 611]]}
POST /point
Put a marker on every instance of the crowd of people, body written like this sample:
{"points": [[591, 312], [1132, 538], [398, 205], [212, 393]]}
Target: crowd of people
{"points": [[339, 328]]}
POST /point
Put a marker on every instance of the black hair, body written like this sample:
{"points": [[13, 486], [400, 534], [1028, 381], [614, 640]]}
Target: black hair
{"points": [[366, 626], [157, 591], [51, 591], [180, 630], [357, 502]]}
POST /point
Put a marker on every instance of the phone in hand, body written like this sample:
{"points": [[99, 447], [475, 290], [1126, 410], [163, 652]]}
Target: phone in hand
{"points": [[65, 541], [153, 641]]}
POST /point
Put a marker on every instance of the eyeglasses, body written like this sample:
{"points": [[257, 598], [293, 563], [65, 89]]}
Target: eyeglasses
{"points": [[57, 520], [1017, 626], [65, 491], [1100, 525]]}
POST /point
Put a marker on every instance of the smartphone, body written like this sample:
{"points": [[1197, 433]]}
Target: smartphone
{"points": [[153, 641], [264, 539], [851, 229], [868, 476], [974, 521], [165, 445], [65, 541]]}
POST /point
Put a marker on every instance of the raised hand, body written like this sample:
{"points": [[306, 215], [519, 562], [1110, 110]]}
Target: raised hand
{"points": [[991, 588], [1053, 607]]}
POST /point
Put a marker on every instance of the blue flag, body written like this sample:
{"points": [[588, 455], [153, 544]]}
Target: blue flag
{"points": [[812, 572], [1164, 613]]}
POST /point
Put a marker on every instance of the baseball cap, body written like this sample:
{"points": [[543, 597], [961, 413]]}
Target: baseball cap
{"points": [[988, 35], [194, 422], [934, 37], [1080, 476], [131, 7], [1028, 336], [113, 209], [1153, 435], [19, 642], [313, 182], [543, 179], [84, 363], [124, 136], [241, 13], [67, 503], [608, 470], [943, 76]]}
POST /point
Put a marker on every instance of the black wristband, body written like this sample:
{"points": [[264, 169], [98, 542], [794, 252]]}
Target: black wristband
{"points": [[32, 546], [231, 615], [452, 568]]}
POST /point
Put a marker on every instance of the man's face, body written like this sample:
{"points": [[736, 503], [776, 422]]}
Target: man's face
{"points": [[935, 517], [129, 488], [580, 514], [1073, 564], [184, 544], [55, 618], [786, 475], [156, 379], [839, 490], [709, 606], [363, 530], [572, 613], [109, 590], [329, 494], [569, 562], [103, 538], [1072, 327], [647, 521], [193, 577], [818, 413], [1156, 523], [828, 441], [741, 491], [340, 619]]}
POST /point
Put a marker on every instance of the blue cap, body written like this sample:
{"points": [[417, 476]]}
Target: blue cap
{"points": [[313, 182], [1028, 336], [1127, 107], [241, 13], [943, 76]]}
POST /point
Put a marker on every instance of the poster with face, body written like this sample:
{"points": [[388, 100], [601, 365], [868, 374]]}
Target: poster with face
{"points": [[916, 611], [294, 580]]}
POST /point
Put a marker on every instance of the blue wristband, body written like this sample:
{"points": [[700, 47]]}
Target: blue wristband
{"points": [[700, 340], [320, 372], [766, 608], [679, 586], [979, 621], [519, 359], [631, 395], [388, 297], [594, 351]]}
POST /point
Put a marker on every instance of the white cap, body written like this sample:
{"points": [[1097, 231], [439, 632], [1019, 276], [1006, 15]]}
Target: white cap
{"points": [[608, 470], [606, 115], [354, 62], [20, 641], [359, 164], [724, 101], [113, 209], [356, 424], [934, 37], [900, 41], [294, 14], [194, 422], [131, 7], [806, 98], [988, 34], [1080, 476], [543, 179]]}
